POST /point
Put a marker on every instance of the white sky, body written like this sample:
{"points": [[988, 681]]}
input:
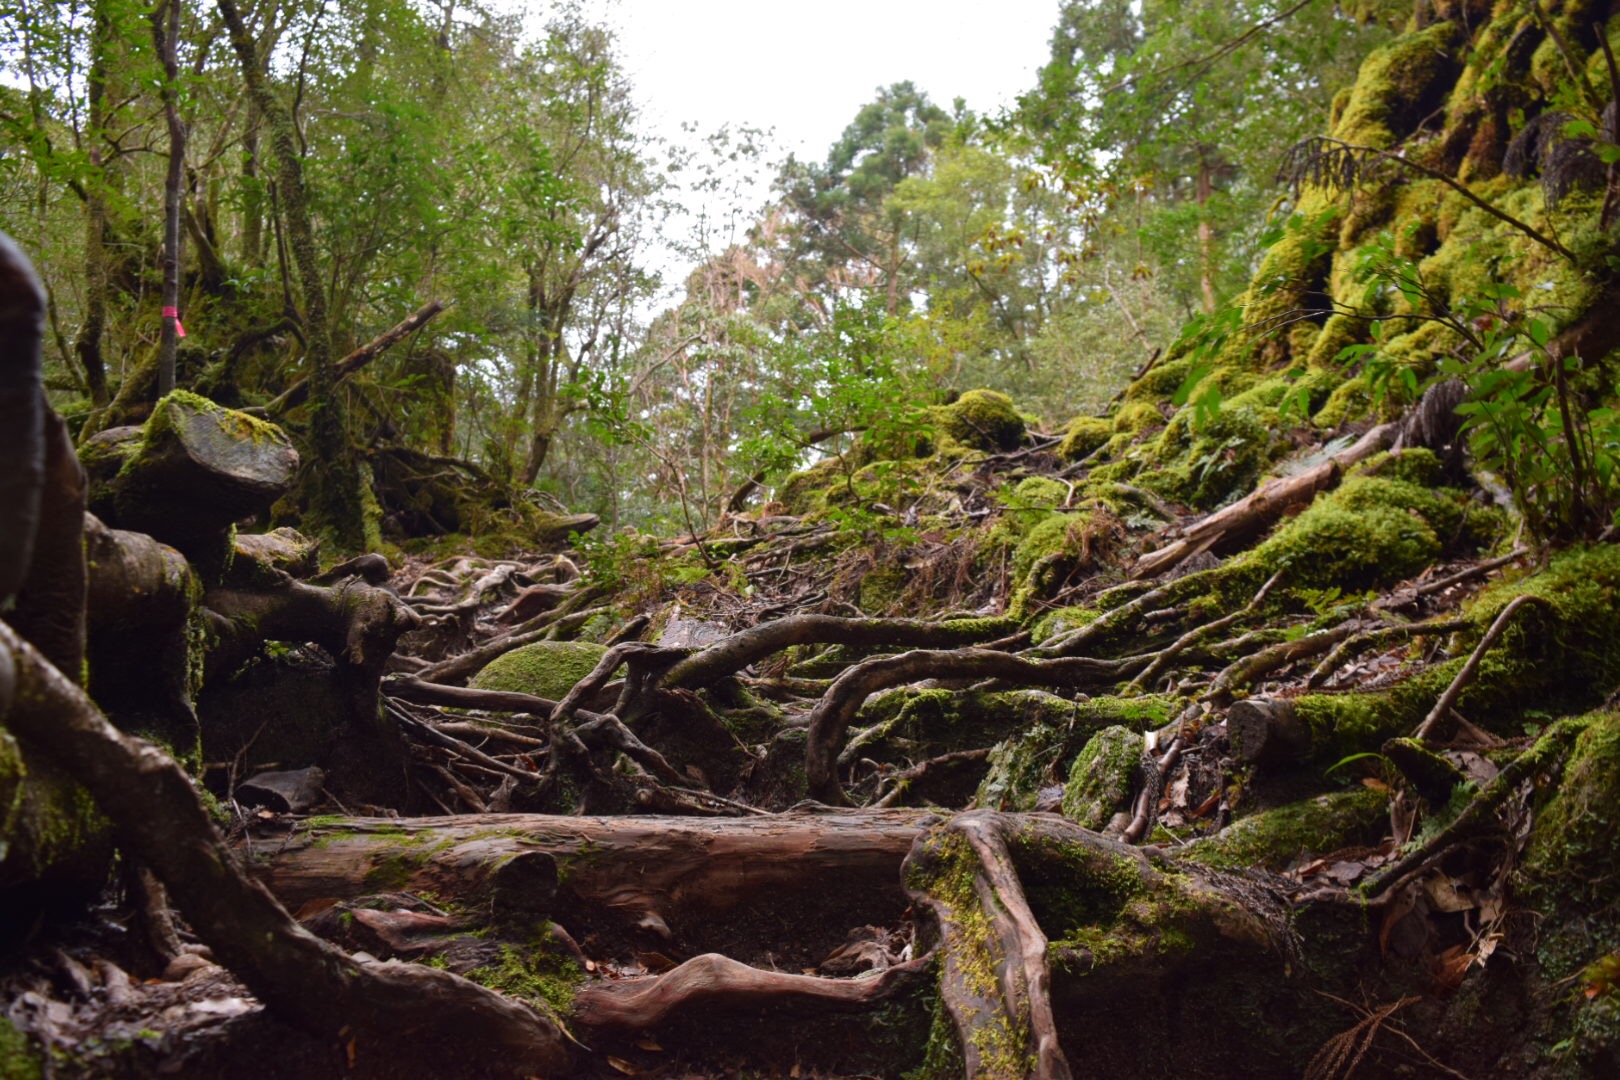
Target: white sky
{"points": [[805, 68]]}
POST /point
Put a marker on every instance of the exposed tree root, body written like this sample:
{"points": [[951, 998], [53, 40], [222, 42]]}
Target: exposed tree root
{"points": [[295, 973]]}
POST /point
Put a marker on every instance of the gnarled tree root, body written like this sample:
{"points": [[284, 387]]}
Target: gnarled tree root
{"points": [[163, 824]]}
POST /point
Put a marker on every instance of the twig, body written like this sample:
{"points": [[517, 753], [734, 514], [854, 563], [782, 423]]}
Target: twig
{"points": [[1180, 645], [1466, 675]]}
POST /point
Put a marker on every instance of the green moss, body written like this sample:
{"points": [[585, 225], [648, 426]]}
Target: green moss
{"points": [[1274, 838], [20, 1059], [1055, 534], [1041, 751], [1414, 465], [234, 424], [1370, 545], [1041, 491], [947, 872], [1205, 466], [547, 669], [982, 419], [1350, 400], [1084, 435], [1101, 777], [1062, 620], [539, 973], [1398, 85], [1135, 417], [880, 588], [806, 490]]}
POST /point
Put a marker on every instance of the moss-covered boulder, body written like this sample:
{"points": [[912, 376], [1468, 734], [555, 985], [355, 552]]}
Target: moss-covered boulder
{"points": [[1100, 778], [1084, 435], [982, 419], [1369, 532], [547, 669]]}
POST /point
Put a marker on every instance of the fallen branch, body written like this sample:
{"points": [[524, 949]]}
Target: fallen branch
{"points": [[1251, 515], [736, 652], [830, 720], [298, 393]]}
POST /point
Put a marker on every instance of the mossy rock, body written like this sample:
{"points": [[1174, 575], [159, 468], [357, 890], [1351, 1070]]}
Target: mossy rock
{"points": [[52, 837], [983, 420], [1414, 465], [1274, 838], [1085, 435], [806, 491], [1028, 761], [1100, 778], [1055, 534], [547, 669], [1206, 465]]}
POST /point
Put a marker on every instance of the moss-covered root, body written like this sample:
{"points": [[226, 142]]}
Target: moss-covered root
{"points": [[994, 981], [1028, 907]]}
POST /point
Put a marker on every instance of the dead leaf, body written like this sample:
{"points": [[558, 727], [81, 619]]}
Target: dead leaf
{"points": [[1448, 894], [1399, 908], [623, 1066], [649, 1045], [1450, 967]]}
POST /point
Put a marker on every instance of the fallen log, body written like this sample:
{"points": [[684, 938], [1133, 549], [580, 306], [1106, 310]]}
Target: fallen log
{"points": [[690, 885]]}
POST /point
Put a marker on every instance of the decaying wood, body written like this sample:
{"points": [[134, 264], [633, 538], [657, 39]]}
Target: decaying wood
{"points": [[677, 877], [713, 981], [1267, 731]]}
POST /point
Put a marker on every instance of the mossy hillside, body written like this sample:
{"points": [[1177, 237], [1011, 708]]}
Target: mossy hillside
{"points": [[1398, 86], [1573, 859], [1272, 839], [1556, 658], [547, 669], [1204, 465], [1570, 876]]}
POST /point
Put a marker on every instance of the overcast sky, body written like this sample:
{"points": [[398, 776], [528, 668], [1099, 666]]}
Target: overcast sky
{"points": [[804, 69]]}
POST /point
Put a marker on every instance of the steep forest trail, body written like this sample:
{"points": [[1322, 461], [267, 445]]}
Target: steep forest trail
{"points": [[1265, 726]]}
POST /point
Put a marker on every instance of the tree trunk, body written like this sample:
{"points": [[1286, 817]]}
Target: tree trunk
{"points": [[165, 21], [96, 271], [336, 503], [1206, 234]]}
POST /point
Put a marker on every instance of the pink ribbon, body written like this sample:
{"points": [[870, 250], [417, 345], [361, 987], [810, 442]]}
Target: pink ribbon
{"points": [[174, 313]]}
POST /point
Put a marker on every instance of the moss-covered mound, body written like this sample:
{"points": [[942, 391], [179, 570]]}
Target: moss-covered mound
{"points": [[547, 669], [982, 419]]}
